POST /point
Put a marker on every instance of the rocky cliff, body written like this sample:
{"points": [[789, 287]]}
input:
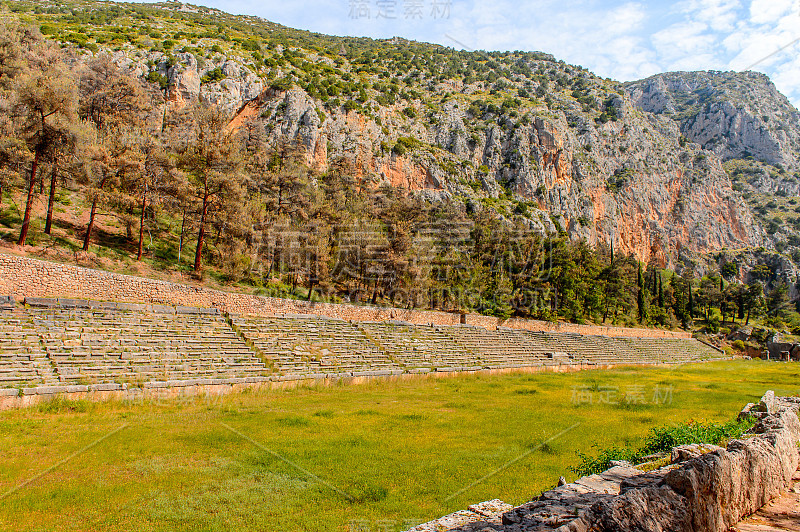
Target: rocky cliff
{"points": [[520, 134], [627, 180], [735, 115]]}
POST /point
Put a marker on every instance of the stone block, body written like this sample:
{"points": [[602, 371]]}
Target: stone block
{"points": [[747, 411], [767, 403], [105, 387], [48, 302], [50, 390], [682, 453], [73, 303], [104, 305], [133, 307]]}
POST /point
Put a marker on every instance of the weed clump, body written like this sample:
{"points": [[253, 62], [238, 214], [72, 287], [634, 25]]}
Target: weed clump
{"points": [[663, 439]]}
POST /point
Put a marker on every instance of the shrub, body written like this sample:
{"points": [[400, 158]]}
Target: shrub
{"points": [[161, 79], [350, 105], [283, 84], [663, 439], [213, 76], [251, 45]]}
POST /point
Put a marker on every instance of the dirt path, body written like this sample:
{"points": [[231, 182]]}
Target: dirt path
{"points": [[782, 514]]}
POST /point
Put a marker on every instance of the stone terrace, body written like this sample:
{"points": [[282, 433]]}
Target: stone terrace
{"points": [[52, 342]]}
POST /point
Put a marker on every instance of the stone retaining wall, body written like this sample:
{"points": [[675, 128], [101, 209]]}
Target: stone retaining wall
{"points": [[23, 277], [704, 489]]}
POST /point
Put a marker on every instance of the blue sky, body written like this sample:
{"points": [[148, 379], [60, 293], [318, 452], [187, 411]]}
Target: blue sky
{"points": [[619, 39]]}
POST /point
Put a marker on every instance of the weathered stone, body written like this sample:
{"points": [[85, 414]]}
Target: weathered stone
{"points": [[73, 303], [722, 486], [683, 453], [746, 412], [649, 509], [490, 508], [767, 403], [620, 463], [41, 301], [105, 387]]}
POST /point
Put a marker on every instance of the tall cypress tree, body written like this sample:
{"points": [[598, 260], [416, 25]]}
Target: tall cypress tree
{"points": [[640, 296], [660, 291]]}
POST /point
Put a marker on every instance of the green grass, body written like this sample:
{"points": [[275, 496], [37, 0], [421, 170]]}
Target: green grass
{"points": [[382, 454]]}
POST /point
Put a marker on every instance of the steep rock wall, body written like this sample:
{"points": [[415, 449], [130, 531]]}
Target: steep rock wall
{"points": [[627, 181]]}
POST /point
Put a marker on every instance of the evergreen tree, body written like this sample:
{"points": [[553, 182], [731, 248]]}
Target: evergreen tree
{"points": [[213, 162], [640, 296]]}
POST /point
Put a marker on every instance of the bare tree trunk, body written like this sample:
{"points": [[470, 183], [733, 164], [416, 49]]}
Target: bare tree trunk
{"points": [[90, 227], [141, 226], [198, 254], [23, 235], [310, 289], [51, 201], [375, 292], [180, 244]]}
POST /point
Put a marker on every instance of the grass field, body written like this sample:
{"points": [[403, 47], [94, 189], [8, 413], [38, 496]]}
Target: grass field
{"points": [[378, 456]]}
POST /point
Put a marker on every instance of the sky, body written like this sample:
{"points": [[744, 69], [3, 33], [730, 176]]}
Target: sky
{"points": [[622, 40]]}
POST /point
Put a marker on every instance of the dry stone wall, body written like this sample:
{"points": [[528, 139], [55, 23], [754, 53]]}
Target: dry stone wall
{"points": [[23, 277]]}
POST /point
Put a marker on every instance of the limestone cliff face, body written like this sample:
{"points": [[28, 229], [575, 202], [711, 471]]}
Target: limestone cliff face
{"points": [[627, 181], [735, 115], [625, 176]]}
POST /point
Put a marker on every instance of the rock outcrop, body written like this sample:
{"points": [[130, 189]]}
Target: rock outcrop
{"points": [[522, 135], [735, 115], [623, 178]]}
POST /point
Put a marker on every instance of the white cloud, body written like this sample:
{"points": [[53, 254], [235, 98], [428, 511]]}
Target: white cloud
{"points": [[720, 15], [770, 11]]}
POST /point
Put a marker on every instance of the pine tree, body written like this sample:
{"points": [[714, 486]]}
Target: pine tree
{"points": [[640, 296], [47, 99], [213, 162]]}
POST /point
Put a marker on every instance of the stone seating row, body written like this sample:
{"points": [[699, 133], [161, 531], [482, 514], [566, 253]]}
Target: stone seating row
{"points": [[109, 344]]}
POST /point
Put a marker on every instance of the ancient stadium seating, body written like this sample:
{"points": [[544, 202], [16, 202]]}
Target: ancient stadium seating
{"points": [[60, 342]]}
